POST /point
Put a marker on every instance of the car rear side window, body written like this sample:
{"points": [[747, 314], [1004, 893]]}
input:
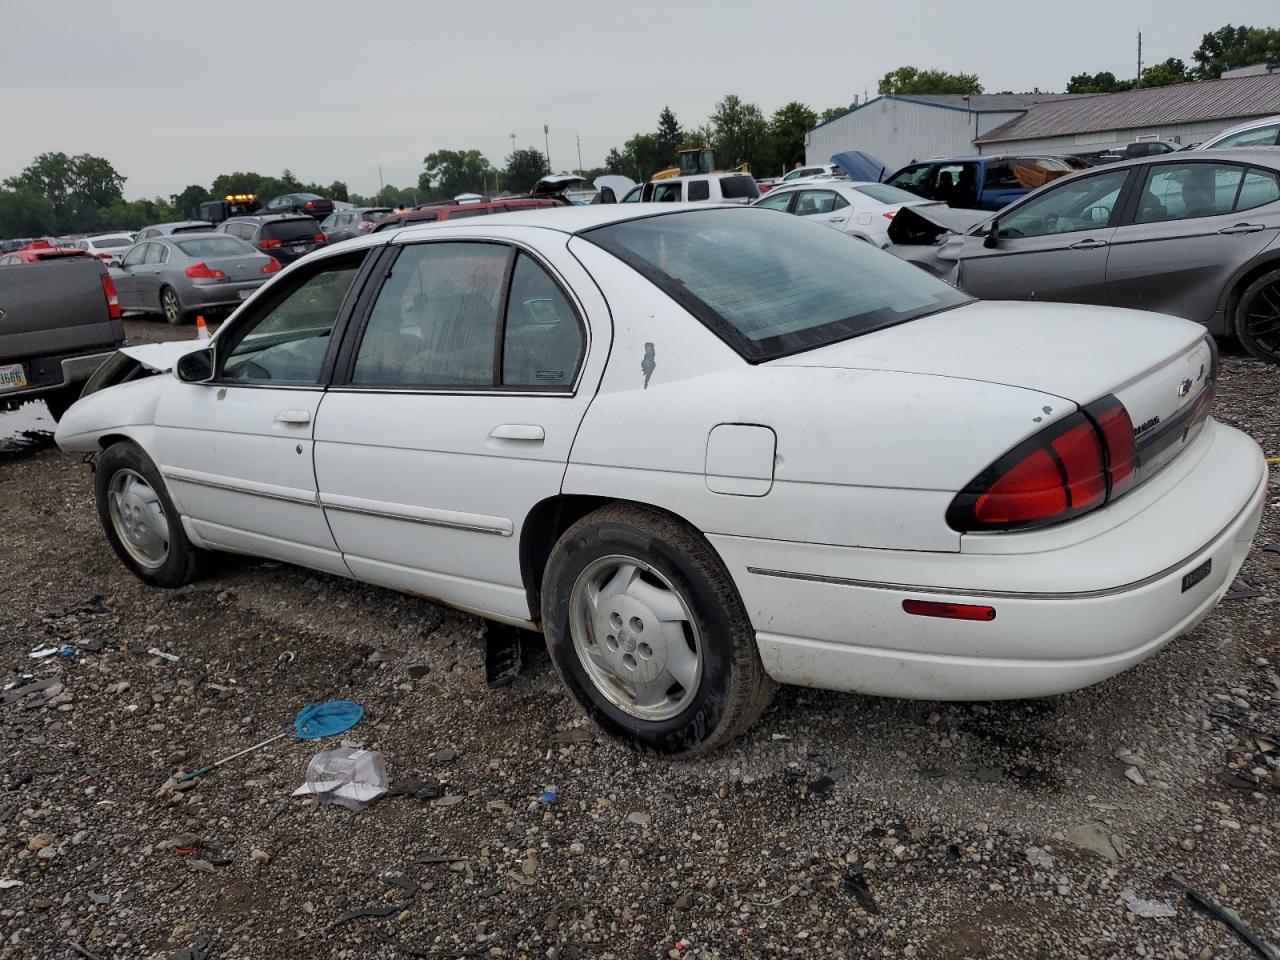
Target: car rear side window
{"points": [[542, 339], [738, 188], [1185, 191], [772, 286], [435, 320], [472, 212], [699, 190], [156, 253], [288, 231], [1260, 187]]}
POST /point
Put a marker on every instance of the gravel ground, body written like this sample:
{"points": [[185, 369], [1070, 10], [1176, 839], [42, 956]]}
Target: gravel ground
{"points": [[841, 826]]}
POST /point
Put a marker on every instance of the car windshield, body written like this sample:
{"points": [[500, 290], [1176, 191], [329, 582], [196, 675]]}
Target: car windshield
{"points": [[104, 242], [304, 228], [887, 194], [773, 286], [220, 246]]}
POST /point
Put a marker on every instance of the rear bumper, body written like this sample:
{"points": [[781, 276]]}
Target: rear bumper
{"points": [[824, 617], [73, 370], [219, 294]]}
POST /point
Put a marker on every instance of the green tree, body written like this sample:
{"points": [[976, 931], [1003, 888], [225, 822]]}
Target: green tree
{"points": [[908, 80], [741, 134], [1171, 71], [525, 167], [1229, 47], [448, 173], [336, 191], [787, 126], [669, 135], [1104, 82], [187, 203], [77, 188], [831, 113], [25, 213]]}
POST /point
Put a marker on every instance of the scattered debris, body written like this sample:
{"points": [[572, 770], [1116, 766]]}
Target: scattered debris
{"points": [[82, 951], [1207, 906], [1148, 909], [427, 789], [1242, 589], [1090, 836], [1038, 858], [39, 653], [548, 796], [639, 818], [826, 781], [405, 884], [199, 949], [367, 912], [164, 654], [1136, 776], [573, 735], [351, 778], [17, 693], [855, 882]]}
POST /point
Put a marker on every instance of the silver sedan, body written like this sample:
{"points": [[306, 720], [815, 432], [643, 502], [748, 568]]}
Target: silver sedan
{"points": [[1196, 235], [180, 276]]}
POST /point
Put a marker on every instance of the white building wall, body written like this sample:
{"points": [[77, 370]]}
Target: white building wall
{"points": [[1183, 133], [897, 132]]}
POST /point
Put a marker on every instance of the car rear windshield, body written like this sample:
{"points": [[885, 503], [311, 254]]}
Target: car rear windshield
{"points": [[104, 242], [194, 228], [887, 194], [738, 188], [773, 286], [220, 246], [373, 216], [286, 230]]}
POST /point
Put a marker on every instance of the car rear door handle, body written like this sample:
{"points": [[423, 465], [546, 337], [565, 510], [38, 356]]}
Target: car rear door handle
{"points": [[293, 416], [1243, 228], [518, 431], [1090, 244]]}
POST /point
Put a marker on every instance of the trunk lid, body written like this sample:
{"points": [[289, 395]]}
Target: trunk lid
{"points": [[1161, 368], [239, 268]]}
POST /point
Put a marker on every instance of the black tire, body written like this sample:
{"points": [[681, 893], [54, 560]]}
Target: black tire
{"points": [[733, 689], [1257, 319], [182, 561], [59, 402], [171, 307]]}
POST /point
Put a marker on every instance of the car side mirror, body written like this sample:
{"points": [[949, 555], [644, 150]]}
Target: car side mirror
{"points": [[992, 239], [195, 367]]}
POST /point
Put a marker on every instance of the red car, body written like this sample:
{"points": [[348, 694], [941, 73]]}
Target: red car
{"points": [[39, 250], [451, 210]]}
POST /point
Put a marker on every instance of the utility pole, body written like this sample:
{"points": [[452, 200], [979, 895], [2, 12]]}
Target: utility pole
{"points": [[578, 137], [546, 142], [1138, 84], [513, 142], [381, 186]]}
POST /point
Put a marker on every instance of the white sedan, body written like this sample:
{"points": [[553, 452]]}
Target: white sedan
{"points": [[704, 450], [862, 210]]}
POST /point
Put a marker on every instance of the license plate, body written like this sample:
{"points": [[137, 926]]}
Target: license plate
{"points": [[12, 376], [244, 294], [1189, 580], [296, 248]]}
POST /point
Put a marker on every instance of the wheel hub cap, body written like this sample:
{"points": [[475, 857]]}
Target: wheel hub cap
{"points": [[138, 518]]}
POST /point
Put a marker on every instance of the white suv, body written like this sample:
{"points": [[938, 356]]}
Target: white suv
{"points": [[710, 187]]}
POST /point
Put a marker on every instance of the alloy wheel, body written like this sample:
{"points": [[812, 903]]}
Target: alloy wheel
{"points": [[1262, 318], [172, 311]]}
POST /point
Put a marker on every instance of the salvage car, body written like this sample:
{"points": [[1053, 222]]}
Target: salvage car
{"points": [[1192, 234], [287, 237], [862, 210], [1259, 132], [704, 450], [180, 276], [979, 183]]}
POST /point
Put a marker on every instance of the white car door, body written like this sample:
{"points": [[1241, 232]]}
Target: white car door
{"points": [[453, 413], [236, 452]]}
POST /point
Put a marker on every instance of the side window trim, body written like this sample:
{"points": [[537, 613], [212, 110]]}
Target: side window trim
{"points": [[358, 320]]}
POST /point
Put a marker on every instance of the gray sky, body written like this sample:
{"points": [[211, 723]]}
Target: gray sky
{"points": [[176, 92]]}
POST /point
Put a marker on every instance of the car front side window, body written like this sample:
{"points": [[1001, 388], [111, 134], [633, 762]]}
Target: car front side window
{"points": [[1084, 204], [776, 201], [435, 320], [287, 342], [135, 256], [1185, 191]]}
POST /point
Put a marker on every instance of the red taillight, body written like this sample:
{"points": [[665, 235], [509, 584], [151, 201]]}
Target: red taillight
{"points": [[271, 266], [319, 238], [1080, 454], [268, 244], [202, 271], [888, 214], [113, 300], [309, 204], [1117, 436], [948, 611], [1029, 490], [103, 256]]}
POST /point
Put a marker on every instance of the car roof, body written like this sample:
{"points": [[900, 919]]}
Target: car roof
{"points": [[563, 219], [1249, 125], [269, 217], [1259, 156]]}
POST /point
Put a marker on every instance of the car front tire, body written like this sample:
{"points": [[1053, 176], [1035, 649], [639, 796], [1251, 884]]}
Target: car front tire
{"points": [[140, 521], [649, 634], [1257, 319]]}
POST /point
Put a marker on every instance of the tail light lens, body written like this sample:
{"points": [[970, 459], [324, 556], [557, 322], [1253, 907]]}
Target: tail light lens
{"points": [[271, 266], [888, 214], [1069, 468], [113, 299], [319, 238], [268, 244], [309, 204], [202, 271]]}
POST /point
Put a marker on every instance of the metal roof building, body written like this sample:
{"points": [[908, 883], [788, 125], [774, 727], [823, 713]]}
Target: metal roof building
{"points": [[898, 128], [1185, 113]]}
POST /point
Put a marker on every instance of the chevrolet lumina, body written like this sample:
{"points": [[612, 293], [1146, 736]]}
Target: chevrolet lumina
{"points": [[704, 450]]}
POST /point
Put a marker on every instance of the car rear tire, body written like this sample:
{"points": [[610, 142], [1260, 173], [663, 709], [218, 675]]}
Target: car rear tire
{"points": [[171, 307], [649, 634], [140, 521], [1257, 319]]}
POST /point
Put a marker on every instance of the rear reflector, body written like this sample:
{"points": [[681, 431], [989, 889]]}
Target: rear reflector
{"points": [[113, 299], [948, 611]]}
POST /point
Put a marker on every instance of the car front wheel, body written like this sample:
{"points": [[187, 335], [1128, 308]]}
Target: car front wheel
{"points": [[140, 520], [1258, 317], [648, 633]]}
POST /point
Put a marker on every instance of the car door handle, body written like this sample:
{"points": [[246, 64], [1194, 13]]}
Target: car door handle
{"points": [[293, 416], [1088, 244], [1244, 228], [518, 431]]}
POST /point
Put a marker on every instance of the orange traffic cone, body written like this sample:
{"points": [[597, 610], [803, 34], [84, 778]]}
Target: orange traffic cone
{"points": [[202, 331]]}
